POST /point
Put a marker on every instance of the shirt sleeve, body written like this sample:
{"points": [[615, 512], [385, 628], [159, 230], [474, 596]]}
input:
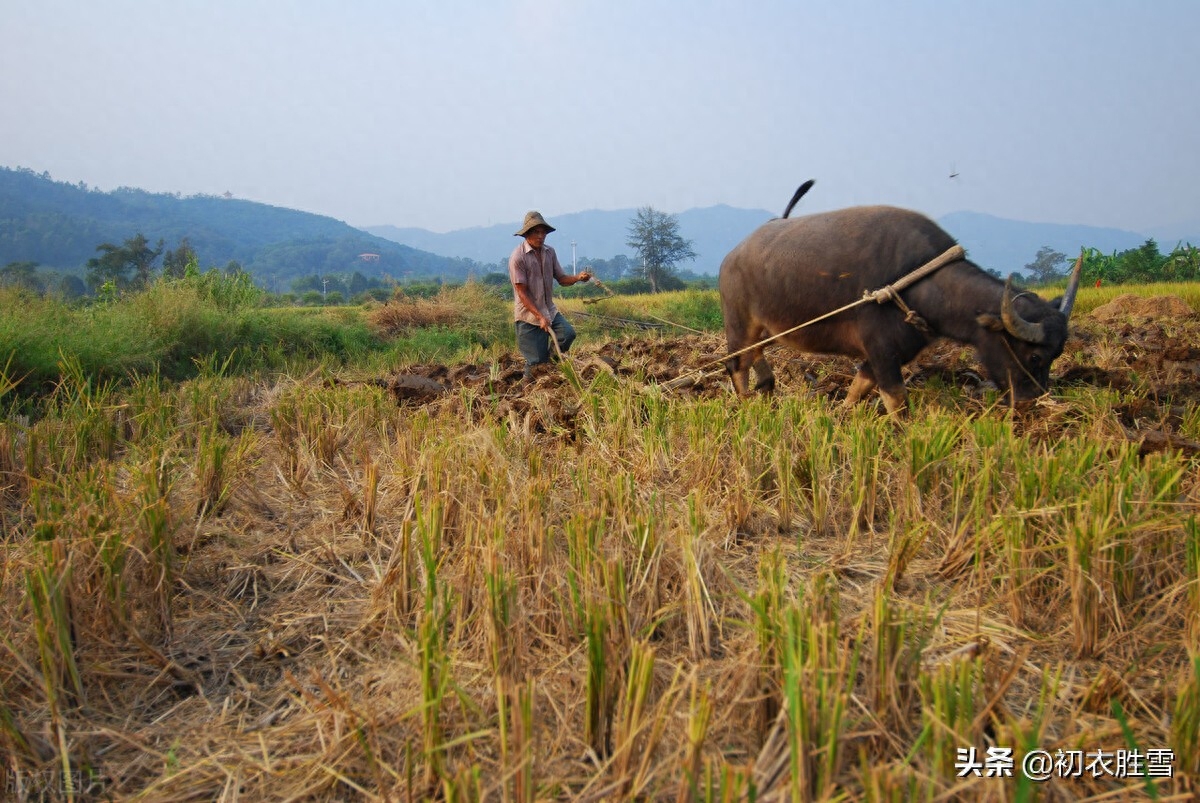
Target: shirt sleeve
{"points": [[559, 273], [516, 267]]}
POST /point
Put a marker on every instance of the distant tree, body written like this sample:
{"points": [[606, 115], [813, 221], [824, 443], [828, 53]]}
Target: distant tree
{"points": [[1182, 264], [655, 237], [71, 287], [333, 284], [359, 284], [303, 284], [619, 266], [1144, 263], [630, 286], [175, 262], [21, 274], [142, 258], [117, 262], [697, 281], [609, 270], [110, 267], [1046, 265]]}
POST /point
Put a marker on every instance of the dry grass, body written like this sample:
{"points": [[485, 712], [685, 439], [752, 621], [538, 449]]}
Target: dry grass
{"points": [[452, 307], [293, 590]]}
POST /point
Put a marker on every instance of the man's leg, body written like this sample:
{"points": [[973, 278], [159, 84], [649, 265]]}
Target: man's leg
{"points": [[534, 345], [564, 333]]}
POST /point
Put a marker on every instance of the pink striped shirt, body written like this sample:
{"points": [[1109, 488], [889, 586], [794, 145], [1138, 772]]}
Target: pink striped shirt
{"points": [[537, 270]]}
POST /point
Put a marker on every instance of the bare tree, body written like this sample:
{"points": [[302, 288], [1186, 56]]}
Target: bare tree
{"points": [[1047, 265], [655, 237]]}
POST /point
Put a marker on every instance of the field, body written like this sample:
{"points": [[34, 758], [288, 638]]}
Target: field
{"points": [[412, 576]]}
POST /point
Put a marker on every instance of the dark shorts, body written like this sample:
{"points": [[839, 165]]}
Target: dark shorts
{"points": [[534, 343]]}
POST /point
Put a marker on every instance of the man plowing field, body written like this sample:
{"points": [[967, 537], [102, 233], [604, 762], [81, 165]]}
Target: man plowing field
{"points": [[532, 268]]}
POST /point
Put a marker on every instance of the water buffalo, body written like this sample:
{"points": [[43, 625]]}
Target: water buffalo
{"points": [[790, 271]]}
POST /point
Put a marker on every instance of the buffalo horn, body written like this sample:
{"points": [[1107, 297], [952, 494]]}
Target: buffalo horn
{"points": [[1068, 299], [1017, 326]]}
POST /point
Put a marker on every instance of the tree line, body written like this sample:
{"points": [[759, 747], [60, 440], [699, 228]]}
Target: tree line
{"points": [[1145, 264], [129, 266], [653, 236], [57, 225]]}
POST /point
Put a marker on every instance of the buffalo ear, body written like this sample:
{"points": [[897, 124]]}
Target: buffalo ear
{"points": [[989, 321]]}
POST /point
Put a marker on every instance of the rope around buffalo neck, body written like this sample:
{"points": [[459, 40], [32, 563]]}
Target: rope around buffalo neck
{"points": [[888, 293], [881, 296]]}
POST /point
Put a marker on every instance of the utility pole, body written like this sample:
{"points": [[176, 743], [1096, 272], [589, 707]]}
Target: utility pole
{"points": [[573, 268], [324, 287]]}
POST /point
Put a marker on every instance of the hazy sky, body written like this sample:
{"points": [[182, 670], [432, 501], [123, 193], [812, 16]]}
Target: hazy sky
{"points": [[450, 114]]}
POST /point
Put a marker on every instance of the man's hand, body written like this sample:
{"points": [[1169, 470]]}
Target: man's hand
{"points": [[584, 276]]}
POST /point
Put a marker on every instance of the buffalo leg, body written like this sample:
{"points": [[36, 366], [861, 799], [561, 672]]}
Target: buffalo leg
{"points": [[891, 386], [864, 383], [889, 382], [895, 402], [739, 366], [739, 372], [764, 375]]}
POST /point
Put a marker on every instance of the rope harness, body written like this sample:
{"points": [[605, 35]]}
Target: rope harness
{"points": [[892, 291], [884, 295], [910, 315]]}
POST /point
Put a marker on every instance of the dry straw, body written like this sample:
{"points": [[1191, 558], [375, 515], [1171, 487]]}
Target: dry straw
{"points": [[294, 589]]}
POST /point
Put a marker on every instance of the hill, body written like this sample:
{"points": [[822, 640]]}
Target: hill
{"points": [[1008, 245], [598, 234], [58, 225], [994, 243], [1172, 234]]}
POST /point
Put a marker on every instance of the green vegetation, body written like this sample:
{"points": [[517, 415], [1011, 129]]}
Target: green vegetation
{"points": [[168, 330], [59, 225], [1142, 265], [176, 325], [222, 563], [116, 263]]}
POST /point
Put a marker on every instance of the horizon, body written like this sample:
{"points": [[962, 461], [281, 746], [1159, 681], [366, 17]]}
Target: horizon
{"points": [[993, 242], [1181, 224], [453, 116]]}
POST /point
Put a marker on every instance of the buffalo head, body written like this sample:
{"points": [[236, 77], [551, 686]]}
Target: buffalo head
{"points": [[1018, 347]]}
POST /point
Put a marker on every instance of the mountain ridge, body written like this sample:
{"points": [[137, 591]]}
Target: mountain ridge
{"points": [[599, 234], [59, 225], [994, 243]]}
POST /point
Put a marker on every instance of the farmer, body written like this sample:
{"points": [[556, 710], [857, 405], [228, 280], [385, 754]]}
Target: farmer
{"points": [[530, 268]]}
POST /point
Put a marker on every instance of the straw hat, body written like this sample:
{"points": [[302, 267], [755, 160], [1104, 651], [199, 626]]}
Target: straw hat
{"points": [[532, 221]]}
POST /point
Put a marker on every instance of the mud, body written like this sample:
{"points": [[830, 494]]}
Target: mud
{"points": [[1147, 356]]}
